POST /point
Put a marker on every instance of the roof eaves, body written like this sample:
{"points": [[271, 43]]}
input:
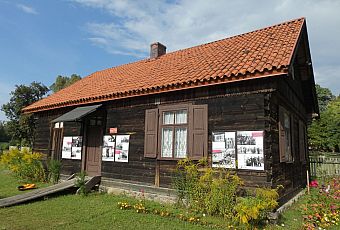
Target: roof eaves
{"points": [[292, 54], [165, 88]]}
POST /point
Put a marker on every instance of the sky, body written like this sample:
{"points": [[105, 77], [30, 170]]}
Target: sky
{"points": [[41, 39]]}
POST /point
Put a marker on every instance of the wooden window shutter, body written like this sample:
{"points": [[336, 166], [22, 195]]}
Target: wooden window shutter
{"points": [[198, 141], [282, 137], [151, 134]]}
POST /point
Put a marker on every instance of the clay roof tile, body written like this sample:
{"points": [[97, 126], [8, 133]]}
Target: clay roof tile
{"points": [[261, 50]]}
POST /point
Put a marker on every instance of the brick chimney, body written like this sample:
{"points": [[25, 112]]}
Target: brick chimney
{"points": [[157, 49]]}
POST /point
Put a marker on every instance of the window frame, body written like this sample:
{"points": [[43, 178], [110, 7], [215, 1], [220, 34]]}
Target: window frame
{"points": [[173, 108], [288, 153], [58, 125]]}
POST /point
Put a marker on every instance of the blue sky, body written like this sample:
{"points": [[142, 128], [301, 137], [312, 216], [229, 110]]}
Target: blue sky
{"points": [[41, 39]]}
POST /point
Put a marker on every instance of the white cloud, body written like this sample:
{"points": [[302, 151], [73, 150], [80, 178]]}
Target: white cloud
{"points": [[27, 9], [185, 23]]}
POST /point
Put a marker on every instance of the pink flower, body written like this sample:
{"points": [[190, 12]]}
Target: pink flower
{"points": [[333, 207], [313, 184]]}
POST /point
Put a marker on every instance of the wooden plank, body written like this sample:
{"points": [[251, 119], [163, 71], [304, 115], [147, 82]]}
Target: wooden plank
{"points": [[93, 181], [38, 193], [157, 174]]}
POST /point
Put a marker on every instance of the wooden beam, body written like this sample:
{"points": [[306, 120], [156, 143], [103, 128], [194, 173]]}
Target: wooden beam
{"points": [[157, 173]]}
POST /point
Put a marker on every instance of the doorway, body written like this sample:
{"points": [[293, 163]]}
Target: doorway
{"points": [[94, 139]]}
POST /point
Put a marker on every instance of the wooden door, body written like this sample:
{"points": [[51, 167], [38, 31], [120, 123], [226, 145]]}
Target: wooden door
{"points": [[93, 150]]}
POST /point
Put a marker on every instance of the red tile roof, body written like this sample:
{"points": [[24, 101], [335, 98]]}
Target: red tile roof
{"points": [[264, 52]]}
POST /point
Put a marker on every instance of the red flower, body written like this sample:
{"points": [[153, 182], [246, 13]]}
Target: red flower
{"points": [[314, 184]]}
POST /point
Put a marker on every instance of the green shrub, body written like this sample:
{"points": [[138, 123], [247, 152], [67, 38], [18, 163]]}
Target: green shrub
{"points": [[254, 209], [222, 195], [53, 167], [202, 191], [81, 183], [25, 165], [3, 147]]}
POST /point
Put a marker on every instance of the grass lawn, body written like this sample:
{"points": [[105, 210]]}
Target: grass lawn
{"points": [[100, 211], [292, 217], [9, 184], [96, 211]]}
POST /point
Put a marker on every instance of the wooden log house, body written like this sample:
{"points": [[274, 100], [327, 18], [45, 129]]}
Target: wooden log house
{"points": [[243, 102]]}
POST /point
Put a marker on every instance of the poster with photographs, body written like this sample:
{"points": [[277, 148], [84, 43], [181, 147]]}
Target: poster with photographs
{"points": [[76, 148], [108, 151], [116, 148], [223, 150], [72, 148], [122, 148], [67, 147], [250, 150]]}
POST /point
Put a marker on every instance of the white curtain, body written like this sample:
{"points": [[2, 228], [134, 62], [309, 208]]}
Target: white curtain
{"points": [[181, 143], [181, 117], [167, 142], [168, 118]]}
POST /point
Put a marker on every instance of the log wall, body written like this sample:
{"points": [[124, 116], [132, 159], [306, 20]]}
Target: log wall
{"points": [[240, 106]]}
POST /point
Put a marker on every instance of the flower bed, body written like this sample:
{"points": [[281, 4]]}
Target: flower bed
{"points": [[321, 209]]}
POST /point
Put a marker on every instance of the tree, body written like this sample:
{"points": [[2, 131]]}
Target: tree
{"points": [[4, 137], [324, 134], [63, 82], [21, 126], [324, 97]]}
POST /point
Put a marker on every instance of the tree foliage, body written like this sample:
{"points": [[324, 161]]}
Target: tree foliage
{"points": [[63, 82], [324, 97], [4, 137], [21, 126], [324, 134]]}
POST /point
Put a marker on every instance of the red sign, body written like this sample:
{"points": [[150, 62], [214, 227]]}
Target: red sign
{"points": [[113, 130], [257, 134]]}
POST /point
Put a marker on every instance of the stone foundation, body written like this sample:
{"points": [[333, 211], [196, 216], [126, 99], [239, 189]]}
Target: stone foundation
{"points": [[138, 190]]}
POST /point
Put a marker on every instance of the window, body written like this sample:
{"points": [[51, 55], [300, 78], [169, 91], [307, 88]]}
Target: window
{"points": [[59, 125], [288, 138], [285, 141], [174, 129], [95, 121]]}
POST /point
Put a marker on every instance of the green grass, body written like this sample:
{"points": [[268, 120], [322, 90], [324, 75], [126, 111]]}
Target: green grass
{"points": [[96, 211], [100, 211], [9, 184], [292, 217]]}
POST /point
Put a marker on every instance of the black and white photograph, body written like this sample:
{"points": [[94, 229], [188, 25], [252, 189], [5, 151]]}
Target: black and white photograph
{"points": [[250, 150], [254, 161], [245, 138], [115, 148], [122, 148], [77, 141], [218, 137], [108, 150], [67, 148], [76, 153], [72, 147], [76, 147], [122, 155], [223, 150]]}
